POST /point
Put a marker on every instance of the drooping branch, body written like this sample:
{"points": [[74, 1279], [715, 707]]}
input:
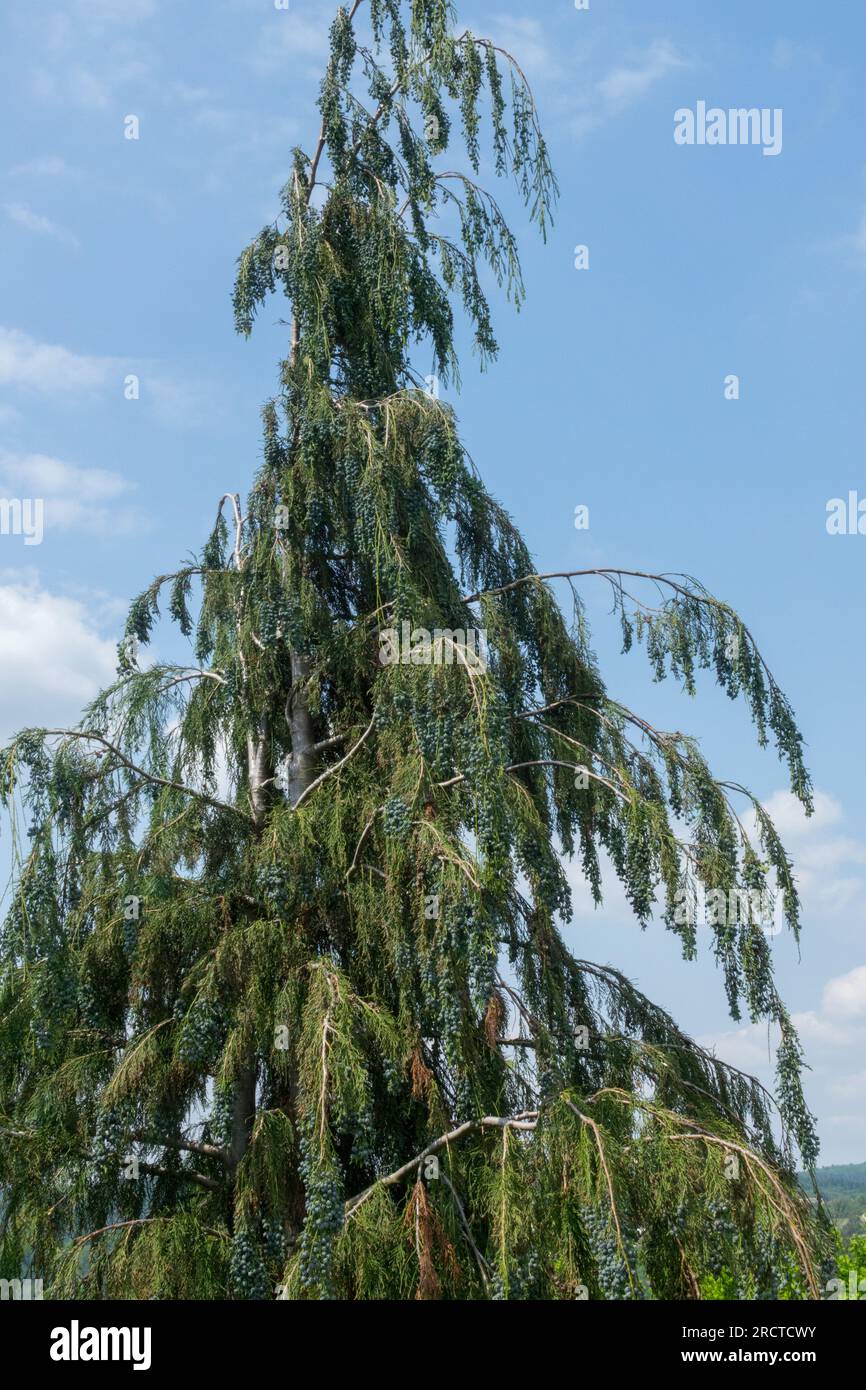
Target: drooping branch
{"points": [[671, 581], [526, 1121], [91, 736]]}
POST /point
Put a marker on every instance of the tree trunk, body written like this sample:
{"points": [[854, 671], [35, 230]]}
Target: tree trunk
{"points": [[243, 1114], [302, 770], [302, 765], [259, 772], [260, 777]]}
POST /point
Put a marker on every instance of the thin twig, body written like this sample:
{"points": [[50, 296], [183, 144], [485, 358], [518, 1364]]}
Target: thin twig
{"points": [[335, 767]]}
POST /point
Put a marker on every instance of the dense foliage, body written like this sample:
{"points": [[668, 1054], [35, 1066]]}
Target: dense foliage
{"points": [[285, 1004], [843, 1189], [850, 1282]]}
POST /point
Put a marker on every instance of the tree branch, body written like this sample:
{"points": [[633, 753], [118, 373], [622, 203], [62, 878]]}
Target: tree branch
{"points": [[154, 1168], [525, 1121], [192, 1146], [335, 767], [93, 737]]}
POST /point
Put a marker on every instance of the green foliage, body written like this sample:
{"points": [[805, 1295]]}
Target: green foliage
{"points": [[843, 1189], [285, 930], [851, 1268]]}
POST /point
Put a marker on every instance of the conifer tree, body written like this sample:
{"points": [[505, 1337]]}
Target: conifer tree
{"points": [[285, 1003]]}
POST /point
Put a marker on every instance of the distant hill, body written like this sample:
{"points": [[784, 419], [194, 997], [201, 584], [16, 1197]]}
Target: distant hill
{"points": [[843, 1187]]}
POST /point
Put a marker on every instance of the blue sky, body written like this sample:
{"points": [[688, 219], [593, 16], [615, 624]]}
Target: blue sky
{"points": [[118, 258]]}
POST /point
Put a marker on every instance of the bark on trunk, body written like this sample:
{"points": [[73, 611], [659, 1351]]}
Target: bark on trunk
{"points": [[302, 765], [259, 775], [243, 1114], [260, 772]]}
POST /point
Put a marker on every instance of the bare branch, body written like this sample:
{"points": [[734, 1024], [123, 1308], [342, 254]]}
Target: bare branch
{"points": [[335, 767], [525, 1121]]}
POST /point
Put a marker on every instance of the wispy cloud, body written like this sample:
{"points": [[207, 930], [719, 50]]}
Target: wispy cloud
{"points": [[118, 13], [854, 244], [49, 368], [77, 499], [175, 398], [183, 403], [76, 86], [88, 65], [24, 216], [47, 167], [289, 36], [627, 83], [630, 81], [851, 1087], [528, 39], [788, 53]]}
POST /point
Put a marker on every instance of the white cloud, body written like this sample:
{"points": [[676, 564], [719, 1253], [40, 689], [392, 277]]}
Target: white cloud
{"points": [[86, 54], [46, 166], [833, 1034], [116, 12], [791, 820], [219, 119], [75, 499], [817, 1030], [850, 1125], [527, 40], [67, 82], [88, 90], [50, 475], [615, 909], [74, 84], [827, 865], [845, 996], [787, 53], [855, 242], [24, 216], [293, 35], [48, 367], [627, 83], [191, 95], [176, 400], [183, 403], [52, 657], [853, 1086], [750, 1048], [838, 1023]]}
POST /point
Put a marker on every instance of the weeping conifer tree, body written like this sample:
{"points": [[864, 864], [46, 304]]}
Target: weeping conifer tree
{"points": [[286, 1008]]}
